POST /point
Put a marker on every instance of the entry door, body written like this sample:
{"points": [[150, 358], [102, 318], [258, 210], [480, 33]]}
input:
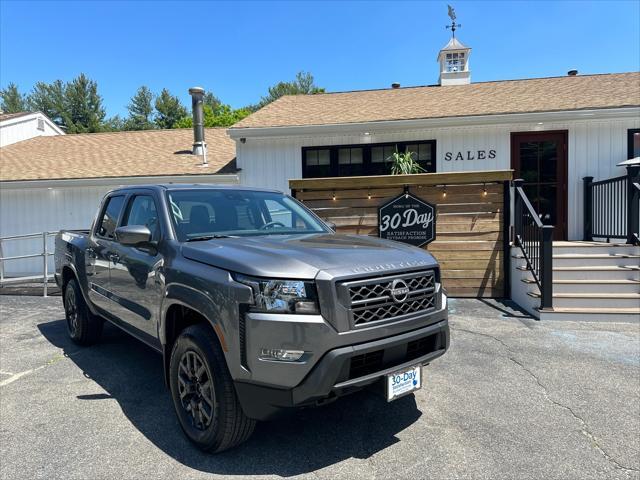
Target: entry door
{"points": [[540, 159]]}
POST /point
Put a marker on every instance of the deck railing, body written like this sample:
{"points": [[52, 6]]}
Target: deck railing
{"points": [[612, 207], [536, 243], [44, 277]]}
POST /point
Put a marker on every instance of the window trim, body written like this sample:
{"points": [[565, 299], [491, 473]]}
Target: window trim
{"points": [[630, 133], [366, 156]]}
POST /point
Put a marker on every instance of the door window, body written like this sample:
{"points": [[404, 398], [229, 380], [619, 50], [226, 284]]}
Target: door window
{"points": [[109, 220], [142, 211], [539, 170]]}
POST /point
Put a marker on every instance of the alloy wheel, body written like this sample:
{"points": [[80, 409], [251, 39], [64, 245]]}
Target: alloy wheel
{"points": [[195, 386], [71, 310]]}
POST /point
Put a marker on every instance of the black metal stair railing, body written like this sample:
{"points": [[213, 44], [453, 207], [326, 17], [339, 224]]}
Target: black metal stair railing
{"points": [[535, 240], [612, 207]]}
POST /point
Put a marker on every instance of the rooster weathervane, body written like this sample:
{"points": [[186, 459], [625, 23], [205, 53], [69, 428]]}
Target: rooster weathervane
{"points": [[454, 25]]}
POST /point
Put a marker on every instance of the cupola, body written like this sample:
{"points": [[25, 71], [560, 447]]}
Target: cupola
{"points": [[454, 58]]}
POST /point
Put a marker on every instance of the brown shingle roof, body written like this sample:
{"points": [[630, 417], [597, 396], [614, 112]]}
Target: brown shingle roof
{"points": [[8, 116], [118, 154], [486, 98]]}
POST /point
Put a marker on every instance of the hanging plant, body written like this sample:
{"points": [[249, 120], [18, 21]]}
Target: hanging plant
{"points": [[404, 164]]}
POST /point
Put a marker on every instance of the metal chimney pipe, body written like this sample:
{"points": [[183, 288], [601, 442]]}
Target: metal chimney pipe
{"points": [[197, 97]]}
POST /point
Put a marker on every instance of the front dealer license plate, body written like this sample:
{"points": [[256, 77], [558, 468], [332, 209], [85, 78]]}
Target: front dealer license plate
{"points": [[404, 381]]}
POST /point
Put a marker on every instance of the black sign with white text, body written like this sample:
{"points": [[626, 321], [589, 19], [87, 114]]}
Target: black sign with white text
{"points": [[407, 219]]}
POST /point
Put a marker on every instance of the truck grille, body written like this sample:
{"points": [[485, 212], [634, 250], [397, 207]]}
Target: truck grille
{"points": [[384, 298]]}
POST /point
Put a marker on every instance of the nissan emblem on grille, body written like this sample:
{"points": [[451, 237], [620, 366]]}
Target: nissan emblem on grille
{"points": [[389, 297], [399, 290]]}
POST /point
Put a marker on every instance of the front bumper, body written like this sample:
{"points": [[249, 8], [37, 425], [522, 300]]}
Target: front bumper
{"points": [[347, 369]]}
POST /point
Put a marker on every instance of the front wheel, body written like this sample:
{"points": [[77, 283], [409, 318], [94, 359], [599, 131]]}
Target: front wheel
{"points": [[203, 393], [83, 326]]}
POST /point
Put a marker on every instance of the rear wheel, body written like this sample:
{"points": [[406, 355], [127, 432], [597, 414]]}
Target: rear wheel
{"points": [[203, 393], [84, 327]]}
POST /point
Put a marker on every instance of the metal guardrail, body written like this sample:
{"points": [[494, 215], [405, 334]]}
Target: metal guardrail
{"points": [[536, 243], [44, 254], [612, 207]]}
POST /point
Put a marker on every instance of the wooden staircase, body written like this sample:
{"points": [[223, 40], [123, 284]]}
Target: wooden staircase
{"points": [[591, 281]]}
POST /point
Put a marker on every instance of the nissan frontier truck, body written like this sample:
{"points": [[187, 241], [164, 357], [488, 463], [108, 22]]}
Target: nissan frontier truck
{"points": [[256, 305]]}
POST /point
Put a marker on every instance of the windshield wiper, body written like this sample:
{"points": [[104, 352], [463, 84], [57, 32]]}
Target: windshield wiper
{"points": [[203, 238]]}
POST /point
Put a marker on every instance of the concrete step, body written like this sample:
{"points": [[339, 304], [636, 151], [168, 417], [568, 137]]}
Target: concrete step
{"points": [[600, 273], [595, 286], [594, 248], [596, 260], [618, 272], [589, 300], [592, 314], [589, 286]]}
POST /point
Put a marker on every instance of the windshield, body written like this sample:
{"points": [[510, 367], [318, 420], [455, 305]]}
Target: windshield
{"points": [[201, 213]]}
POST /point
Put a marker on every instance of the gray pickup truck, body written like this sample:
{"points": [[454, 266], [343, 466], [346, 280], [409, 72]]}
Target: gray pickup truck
{"points": [[255, 304]]}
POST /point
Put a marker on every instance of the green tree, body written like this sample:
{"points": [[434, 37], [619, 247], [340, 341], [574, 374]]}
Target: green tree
{"points": [[302, 85], [83, 106], [11, 100], [223, 116], [75, 105], [140, 110], [211, 100], [168, 110], [114, 124], [50, 99]]}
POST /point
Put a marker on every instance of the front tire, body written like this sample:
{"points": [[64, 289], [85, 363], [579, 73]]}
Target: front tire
{"points": [[203, 393], [83, 327]]}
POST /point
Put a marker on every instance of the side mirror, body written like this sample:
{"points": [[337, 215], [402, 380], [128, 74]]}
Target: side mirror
{"points": [[133, 235], [331, 225]]}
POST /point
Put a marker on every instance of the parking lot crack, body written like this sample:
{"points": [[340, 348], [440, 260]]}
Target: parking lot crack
{"points": [[545, 391]]}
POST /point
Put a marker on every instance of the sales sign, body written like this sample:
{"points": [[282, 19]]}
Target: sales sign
{"points": [[407, 219]]}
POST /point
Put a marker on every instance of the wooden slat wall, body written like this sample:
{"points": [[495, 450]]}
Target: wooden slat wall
{"points": [[469, 224]]}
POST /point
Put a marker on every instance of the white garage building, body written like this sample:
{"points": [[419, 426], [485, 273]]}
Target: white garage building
{"points": [[49, 183]]}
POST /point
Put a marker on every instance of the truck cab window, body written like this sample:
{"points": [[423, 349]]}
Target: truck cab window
{"points": [[142, 211], [109, 220]]}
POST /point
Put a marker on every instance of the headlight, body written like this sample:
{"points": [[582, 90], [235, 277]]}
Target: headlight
{"points": [[281, 296]]}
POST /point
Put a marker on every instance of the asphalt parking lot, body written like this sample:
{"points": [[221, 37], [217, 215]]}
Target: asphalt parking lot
{"points": [[513, 398]]}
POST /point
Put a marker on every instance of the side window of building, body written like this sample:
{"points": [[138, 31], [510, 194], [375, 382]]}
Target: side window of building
{"points": [[369, 159], [317, 162], [142, 211], [109, 220]]}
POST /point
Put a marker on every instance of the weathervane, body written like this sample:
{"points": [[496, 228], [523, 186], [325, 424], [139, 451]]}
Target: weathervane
{"points": [[454, 25]]}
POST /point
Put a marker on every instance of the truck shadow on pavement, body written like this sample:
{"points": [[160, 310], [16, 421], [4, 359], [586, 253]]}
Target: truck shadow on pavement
{"points": [[356, 426]]}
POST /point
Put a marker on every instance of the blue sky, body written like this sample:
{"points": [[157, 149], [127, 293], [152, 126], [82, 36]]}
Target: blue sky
{"points": [[238, 49]]}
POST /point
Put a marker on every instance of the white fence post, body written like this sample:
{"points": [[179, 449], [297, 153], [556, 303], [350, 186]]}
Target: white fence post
{"points": [[45, 269], [1, 265]]}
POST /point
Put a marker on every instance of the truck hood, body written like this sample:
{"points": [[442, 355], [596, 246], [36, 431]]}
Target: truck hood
{"points": [[304, 256]]}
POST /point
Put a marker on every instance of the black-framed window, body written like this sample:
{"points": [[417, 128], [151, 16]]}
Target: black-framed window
{"points": [[633, 142], [363, 159]]}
